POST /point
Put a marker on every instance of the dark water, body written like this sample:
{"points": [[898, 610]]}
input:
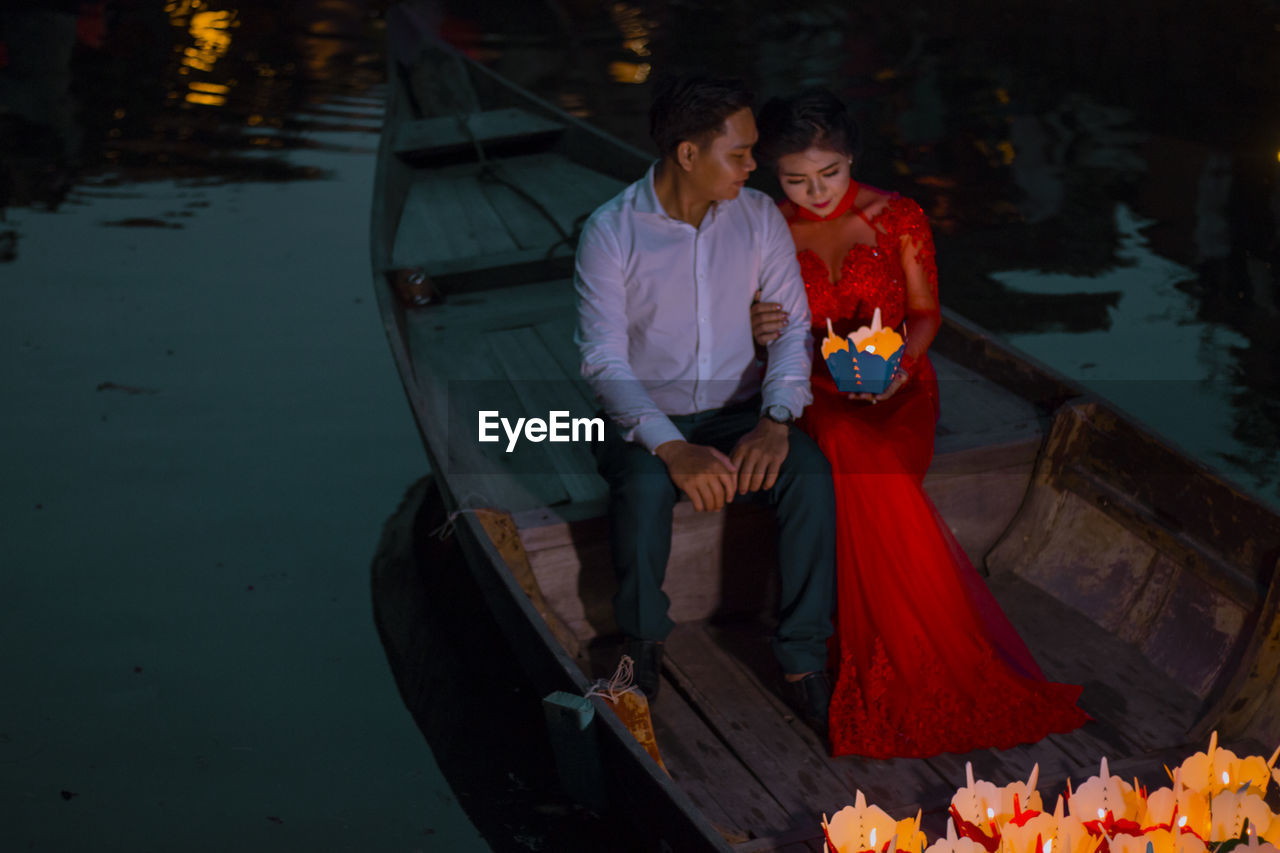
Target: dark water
{"points": [[203, 435]]}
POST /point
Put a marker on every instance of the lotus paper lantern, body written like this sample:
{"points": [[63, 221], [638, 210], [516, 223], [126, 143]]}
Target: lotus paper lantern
{"points": [[1107, 804], [1158, 841], [860, 827], [956, 843], [866, 360], [1221, 769], [1230, 809], [1216, 804]]}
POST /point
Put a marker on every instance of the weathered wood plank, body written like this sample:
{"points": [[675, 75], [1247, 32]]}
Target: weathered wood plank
{"points": [[541, 388], [1250, 705], [528, 225], [1121, 688], [898, 784], [446, 218], [461, 380], [973, 407], [703, 766], [568, 191], [419, 139], [787, 759], [802, 840]]}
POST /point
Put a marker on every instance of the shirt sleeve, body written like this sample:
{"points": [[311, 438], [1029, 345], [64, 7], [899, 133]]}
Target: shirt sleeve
{"points": [[599, 287], [786, 378]]}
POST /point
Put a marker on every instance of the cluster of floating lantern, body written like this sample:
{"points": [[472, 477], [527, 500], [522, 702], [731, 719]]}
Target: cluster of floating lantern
{"points": [[1216, 802]]}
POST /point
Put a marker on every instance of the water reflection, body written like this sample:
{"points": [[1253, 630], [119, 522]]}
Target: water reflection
{"points": [[196, 90], [1098, 145]]}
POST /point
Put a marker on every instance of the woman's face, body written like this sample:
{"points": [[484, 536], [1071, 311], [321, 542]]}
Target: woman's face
{"points": [[815, 179]]}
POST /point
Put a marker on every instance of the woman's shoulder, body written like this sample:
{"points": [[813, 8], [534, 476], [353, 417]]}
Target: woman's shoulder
{"points": [[893, 212]]}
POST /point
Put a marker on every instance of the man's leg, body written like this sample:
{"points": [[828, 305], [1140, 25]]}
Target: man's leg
{"points": [[641, 499], [804, 505]]}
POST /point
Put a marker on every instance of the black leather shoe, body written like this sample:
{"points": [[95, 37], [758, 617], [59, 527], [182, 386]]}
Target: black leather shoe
{"points": [[647, 656], [810, 697]]}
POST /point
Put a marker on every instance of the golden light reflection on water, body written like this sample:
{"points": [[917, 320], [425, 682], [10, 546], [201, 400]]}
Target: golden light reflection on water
{"points": [[210, 32], [635, 29], [630, 72]]}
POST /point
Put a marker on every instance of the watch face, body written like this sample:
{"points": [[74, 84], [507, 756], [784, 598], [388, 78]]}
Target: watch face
{"points": [[781, 414]]}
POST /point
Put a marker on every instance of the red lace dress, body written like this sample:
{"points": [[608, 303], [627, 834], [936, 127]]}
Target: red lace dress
{"points": [[923, 659]]}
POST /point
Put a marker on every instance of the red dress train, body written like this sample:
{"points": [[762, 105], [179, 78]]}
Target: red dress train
{"points": [[923, 659]]}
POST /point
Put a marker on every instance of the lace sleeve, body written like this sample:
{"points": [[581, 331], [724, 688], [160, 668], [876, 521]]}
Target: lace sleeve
{"points": [[905, 221]]}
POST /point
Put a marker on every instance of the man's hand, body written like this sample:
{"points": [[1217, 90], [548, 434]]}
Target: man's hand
{"points": [[758, 455], [703, 473]]}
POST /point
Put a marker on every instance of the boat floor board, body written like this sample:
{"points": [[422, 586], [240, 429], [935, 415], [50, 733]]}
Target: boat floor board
{"points": [[702, 765], [1134, 704], [566, 189], [768, 744], [720, 674], [446, 217]]}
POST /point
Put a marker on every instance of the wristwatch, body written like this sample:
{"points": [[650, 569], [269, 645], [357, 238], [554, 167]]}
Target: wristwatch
{"points": [[779, 414]]}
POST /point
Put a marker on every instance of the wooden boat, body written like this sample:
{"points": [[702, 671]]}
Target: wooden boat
{"points": [[1126, 566]]}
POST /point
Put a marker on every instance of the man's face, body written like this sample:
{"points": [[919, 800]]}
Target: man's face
{"points": [[719, 167]]}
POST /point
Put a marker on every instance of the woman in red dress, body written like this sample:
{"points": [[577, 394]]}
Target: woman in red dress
{"points": [[923, 660]]}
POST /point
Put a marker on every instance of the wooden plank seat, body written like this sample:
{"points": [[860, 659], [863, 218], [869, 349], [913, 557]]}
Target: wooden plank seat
{"points": [[986, 450], [504, 131], [512, 349], [509, 221]]}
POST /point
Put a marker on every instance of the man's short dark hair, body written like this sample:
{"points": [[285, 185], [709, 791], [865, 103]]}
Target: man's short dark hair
{"points": [[694, 107]]}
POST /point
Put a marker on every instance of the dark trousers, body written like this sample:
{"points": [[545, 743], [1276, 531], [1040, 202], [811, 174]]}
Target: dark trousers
{"points": [[642, 497]]}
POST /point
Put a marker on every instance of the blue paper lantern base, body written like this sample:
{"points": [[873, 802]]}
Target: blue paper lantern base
{"points": [[862, 372]]}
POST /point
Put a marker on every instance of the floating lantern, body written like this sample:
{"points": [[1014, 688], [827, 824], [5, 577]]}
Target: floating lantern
{"points": [[1221, 769], [1033, 835], [1107, 804], [1217, 801], [955, 843], [864, 362], [1070, 833], [860, 827], [1158, 841], [1230, 809], [1176, 808]]}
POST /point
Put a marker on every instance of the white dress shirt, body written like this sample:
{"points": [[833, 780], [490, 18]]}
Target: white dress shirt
{"points": [[664, 325]]}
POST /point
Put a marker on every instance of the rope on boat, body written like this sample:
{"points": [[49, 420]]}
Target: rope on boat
{"points": [[623, 681], [491, 171], [446, 529]]}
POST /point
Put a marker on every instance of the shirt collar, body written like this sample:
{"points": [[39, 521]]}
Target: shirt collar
{"points": [[646, 199]]}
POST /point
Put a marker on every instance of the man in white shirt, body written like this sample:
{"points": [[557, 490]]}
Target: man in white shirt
{"points": [[665, 275]]}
